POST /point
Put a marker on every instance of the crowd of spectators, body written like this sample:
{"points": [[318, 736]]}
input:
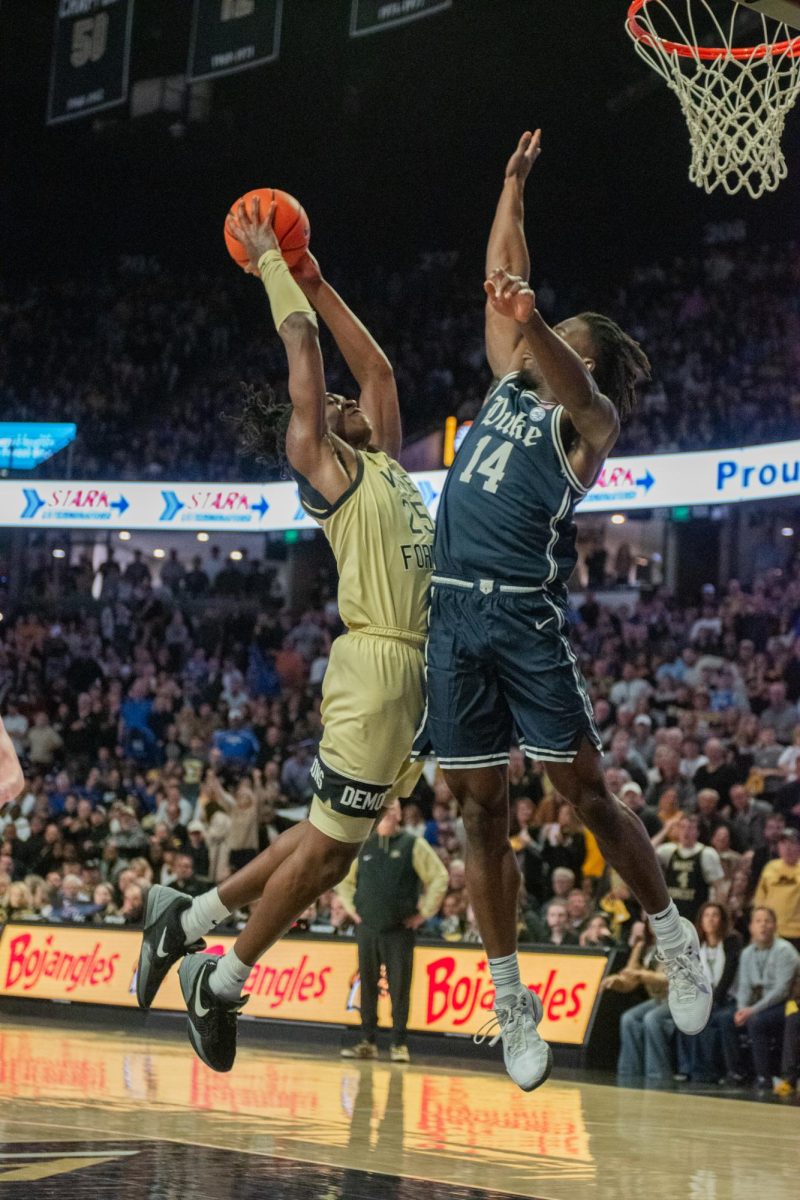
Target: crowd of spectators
{"points": [[116, 352], [161, 744]]}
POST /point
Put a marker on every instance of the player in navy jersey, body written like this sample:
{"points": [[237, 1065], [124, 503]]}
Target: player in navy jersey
{"points": [[500, 664]]}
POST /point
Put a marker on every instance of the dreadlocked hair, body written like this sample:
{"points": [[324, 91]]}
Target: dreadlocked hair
{"points": [[620, 362], [261, 426]]}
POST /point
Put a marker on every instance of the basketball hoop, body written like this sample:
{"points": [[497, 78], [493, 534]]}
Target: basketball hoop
{"points": [[735, 97]]}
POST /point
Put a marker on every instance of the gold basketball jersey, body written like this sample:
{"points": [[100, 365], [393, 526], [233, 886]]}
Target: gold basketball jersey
{"points": [[381, 535]]}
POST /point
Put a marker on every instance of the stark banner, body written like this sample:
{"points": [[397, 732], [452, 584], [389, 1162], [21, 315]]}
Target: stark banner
{"points": [[91, 56], [233, 35], [371, 16]]}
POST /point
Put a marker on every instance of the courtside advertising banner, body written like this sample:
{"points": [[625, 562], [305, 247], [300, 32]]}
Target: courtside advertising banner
{"points": [[233, 35], [656, 481], [91, 57], [302, 979], [371, 16]]}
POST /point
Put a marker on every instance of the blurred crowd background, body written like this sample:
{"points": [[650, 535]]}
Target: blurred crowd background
{"points": [[120, 350]]}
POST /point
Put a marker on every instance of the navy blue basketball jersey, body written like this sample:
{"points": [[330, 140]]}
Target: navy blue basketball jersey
{"points": [[506, 511]]}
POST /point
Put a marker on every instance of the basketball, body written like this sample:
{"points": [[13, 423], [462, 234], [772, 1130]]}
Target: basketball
{"points": [[290, 224]]}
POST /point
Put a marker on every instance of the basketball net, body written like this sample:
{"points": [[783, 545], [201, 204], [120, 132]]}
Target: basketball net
{"points": [[735, 92]]}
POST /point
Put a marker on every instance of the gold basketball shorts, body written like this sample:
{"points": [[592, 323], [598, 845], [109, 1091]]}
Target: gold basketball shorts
{"points": [[372, 702]]}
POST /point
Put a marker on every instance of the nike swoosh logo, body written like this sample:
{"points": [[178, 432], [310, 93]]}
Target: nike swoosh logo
{"points": [[160, 951], [541, 624], [200, 1011]]}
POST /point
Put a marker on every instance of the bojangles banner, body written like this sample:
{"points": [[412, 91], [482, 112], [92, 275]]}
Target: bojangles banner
{"points": [[302, 979], [372, 16], [91, 55]]}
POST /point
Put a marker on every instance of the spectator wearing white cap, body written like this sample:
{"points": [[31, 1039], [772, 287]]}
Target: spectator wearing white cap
{"points": [[197, 848], [632, 796], [643, 743]]}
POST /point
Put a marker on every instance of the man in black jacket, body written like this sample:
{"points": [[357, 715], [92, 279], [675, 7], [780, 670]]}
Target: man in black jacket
{"points": [[394, 886]]}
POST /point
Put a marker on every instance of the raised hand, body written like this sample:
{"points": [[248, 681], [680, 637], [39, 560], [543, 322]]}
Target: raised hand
{"points": [[306, 270], [510, 296], [525, 155], [253, 231]]}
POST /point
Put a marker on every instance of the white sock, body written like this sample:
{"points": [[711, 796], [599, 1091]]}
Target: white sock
{"points": [[505, 975], [206, 912], [668, 929], [230, 976]]}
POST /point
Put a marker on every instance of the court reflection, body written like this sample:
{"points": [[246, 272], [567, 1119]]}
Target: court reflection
{"points": [[455, 1128]]}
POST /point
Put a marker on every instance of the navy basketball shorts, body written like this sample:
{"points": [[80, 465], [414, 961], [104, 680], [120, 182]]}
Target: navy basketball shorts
{"points": [[499, 666]]}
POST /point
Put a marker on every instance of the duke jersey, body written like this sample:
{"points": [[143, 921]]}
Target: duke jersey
{"points": [[506, 511]]}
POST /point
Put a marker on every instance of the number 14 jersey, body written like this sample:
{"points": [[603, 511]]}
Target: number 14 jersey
{"points": [[506, 511]]}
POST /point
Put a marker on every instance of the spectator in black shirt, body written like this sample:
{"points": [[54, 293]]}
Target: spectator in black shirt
{"points": [[563, 844], [708, 815], [718, 773], [186, 880]]}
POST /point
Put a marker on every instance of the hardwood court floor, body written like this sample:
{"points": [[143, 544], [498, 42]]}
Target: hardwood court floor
{"points": [[96, 1115]]}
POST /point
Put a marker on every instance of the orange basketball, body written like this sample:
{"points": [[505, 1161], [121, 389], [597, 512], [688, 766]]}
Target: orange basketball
{"points": [[290, 224]]}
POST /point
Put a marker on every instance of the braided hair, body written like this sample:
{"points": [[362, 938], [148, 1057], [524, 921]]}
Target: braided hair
{"points": [[620, 362], [261, 426]]}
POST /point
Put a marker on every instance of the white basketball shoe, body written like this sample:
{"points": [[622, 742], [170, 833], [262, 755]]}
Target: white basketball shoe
{"points": [[690, 992]]}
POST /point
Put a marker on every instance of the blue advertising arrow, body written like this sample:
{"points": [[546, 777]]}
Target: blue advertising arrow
{"points": [[122, 505], [172, 506], [33, 502], [301, 512], [261, 508], [427, 491], [646, 481]]}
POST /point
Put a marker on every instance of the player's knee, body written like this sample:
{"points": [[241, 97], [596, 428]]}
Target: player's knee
{"points": [[329, 861], [593, 804], [486, 825]]}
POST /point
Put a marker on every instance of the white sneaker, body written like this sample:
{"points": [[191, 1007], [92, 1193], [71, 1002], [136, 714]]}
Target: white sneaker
{"points": [[528, 1058], [690, 993]]}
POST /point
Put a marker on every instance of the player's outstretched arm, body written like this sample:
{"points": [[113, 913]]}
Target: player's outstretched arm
{"points": [[508, 249], [568, 377], [368, 364], [308, 446]]}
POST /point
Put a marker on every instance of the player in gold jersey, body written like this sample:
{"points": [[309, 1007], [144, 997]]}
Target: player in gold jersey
{"points": [[341, 453]]}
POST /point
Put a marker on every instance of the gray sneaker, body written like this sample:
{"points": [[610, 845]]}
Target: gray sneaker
{"points": [[163, 941], [528, 1058], [690, 994], [212, 1021]]}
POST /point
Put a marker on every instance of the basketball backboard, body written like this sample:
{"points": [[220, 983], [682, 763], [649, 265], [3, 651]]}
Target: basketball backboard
{"points": [[787, 11]]}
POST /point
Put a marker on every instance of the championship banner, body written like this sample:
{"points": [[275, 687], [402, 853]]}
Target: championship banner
{"points": [[371, 16], [91, 57], [302, 979], [233, 35]]}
